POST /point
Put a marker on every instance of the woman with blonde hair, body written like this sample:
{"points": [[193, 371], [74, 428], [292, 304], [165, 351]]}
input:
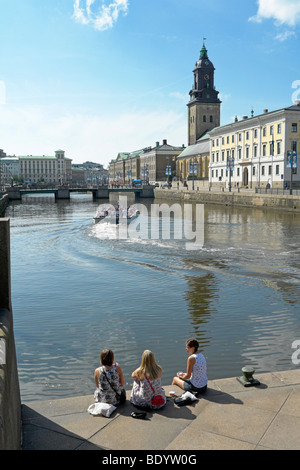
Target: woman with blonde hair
{"points": [[147, 391]]}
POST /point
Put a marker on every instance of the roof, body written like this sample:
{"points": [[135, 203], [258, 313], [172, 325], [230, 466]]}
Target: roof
{"points": [[200, 148], [36, 157]]}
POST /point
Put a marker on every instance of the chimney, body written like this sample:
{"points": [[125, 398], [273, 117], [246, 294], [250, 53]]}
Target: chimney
{"points": [[236, 119], [297, 103], [266, 111], [165, 142], [245, 117], [157, 144]]}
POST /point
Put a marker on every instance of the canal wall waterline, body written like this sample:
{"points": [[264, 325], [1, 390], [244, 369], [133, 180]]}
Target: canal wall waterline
{"points": [[10, 398], [234, 199]]}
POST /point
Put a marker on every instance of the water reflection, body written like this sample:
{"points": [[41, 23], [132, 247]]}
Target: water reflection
{"points": [[201, 297]]}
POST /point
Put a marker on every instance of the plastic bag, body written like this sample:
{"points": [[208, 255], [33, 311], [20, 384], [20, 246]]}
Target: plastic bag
{"points": [[189, 395], [104, 409]]}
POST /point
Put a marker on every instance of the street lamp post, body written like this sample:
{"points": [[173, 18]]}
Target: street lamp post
{"points": [[230, 167], [291, 163]]}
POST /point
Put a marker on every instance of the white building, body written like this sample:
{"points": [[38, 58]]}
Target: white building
{"points": [[9, 169], [49, 169]]}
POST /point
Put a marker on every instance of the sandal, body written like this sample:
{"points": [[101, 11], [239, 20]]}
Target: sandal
{"points": [[138, 415]]}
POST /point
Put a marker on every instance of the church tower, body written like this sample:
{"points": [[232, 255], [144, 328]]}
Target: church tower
{"points": [[204, 105]]}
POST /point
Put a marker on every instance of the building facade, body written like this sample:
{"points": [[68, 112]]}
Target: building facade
{"points": [[9, 170], [150, 164], [253, 152], [48, 169]]}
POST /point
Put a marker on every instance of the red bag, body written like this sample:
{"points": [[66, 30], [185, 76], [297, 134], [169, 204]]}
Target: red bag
{"points": [[157, 400]]}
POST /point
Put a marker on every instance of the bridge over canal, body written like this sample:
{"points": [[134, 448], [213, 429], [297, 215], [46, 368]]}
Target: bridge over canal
{"points": [[101, 192]]}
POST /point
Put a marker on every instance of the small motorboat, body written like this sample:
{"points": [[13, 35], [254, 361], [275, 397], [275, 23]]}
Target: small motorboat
{"points": [[114, 217]]}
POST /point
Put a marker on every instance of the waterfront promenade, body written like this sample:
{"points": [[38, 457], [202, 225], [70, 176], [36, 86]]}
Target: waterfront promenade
{"points": [[228, 417]]}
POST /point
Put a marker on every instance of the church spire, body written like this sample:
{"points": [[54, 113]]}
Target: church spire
{"points": [[203, 52]]}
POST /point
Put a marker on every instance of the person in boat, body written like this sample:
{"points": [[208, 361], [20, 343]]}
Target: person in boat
{"points": [[194, 379]]}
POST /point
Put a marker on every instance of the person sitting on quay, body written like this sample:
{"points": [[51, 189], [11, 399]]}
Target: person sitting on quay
{"points": [[109, 380], [147, 383], [195, 378]]}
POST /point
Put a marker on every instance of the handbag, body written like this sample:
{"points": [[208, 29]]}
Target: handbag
{"points": [[121, 396], [157, 399]]}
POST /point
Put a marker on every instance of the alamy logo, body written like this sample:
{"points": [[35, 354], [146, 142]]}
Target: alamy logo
{"points": [[296, 354], [2, 92], [161, 222], [296, 94]]}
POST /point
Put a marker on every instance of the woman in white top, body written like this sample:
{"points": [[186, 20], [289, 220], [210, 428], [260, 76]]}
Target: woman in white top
{"points": [[194, 379]]}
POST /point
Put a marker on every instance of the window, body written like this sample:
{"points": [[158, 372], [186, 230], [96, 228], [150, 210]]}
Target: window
{"points": [[238, 172], [278, 148], [217, 156], [211, 119], [247, 135], [294, 145], [264, 131], [278, 128], [294, 127], [232, 139], [222, 140], [228, 139], [247, 152], [271, 130], [270, 169], [240, 137], [264, 150], [239, 153], [204, 118], [253, 171], [255, 133], [263, 170], [223, 156], [255, 150], [277, 169]]}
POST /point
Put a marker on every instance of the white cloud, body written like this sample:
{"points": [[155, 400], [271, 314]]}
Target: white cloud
{"points": [[282, 11], [86, 136], [285, 35], [101, 17]]}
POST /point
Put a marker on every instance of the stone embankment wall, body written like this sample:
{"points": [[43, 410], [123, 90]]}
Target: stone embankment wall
{"points": [[242, 199], [4, 200], [10, 400]]}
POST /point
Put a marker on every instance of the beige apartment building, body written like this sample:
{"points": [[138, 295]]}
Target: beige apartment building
{"points": [[55, 169], [150, 164]]}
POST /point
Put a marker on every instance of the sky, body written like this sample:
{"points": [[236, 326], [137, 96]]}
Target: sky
{"points": [[99, 77]]}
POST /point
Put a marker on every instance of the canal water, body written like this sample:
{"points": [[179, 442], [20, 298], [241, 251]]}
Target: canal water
{"points": [[77, 290]]}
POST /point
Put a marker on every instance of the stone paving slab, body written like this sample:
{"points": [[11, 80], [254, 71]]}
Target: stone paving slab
{"points": [[228, 417]]}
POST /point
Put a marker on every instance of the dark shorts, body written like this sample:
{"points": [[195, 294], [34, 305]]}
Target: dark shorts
{"points": [[188, 387]]}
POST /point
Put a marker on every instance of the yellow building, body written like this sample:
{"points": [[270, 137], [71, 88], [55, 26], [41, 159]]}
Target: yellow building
{"points": [[253, 152]]}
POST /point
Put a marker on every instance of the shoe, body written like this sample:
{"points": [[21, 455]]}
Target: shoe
{"points": [[138, 415]]}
